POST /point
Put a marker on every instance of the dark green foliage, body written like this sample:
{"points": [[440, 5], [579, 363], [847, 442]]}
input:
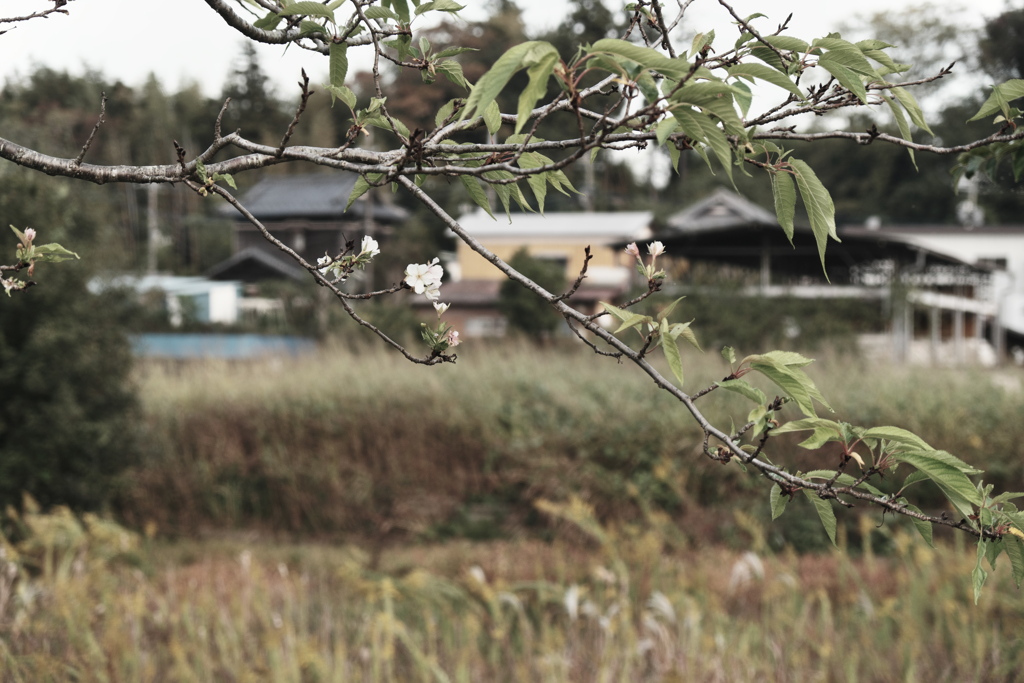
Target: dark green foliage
{"points": [[1002, 47], [67, 410], [526, 312]]}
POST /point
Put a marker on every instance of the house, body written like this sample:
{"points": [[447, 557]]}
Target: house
{"points": [[946, 303], [307, 213], [562, 238], [998, 249], [195, 298]]}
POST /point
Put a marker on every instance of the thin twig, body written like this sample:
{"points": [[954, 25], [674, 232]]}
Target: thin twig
{"points": [[306, 93], [99, 122]]}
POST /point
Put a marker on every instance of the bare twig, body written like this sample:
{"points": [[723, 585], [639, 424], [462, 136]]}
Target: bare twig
{"points": [[99, 122]]}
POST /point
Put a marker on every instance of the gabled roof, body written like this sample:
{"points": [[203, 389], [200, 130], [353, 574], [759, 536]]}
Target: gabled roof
{"points": [[601, 227], [315, 195], [720, 210], [253, 264]]}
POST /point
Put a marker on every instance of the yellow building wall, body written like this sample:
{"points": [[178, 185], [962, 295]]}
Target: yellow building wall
{"points": [[475, 267]]}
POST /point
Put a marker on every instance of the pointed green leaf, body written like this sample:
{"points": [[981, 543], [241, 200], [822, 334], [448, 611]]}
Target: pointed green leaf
{"points": [[784, 193], [494, 81], [438, 6], [338, 64], [979, 575], [1000, 98], [667, 311], [452, 70], [665, 128], [52, 253], [307, 8], [901, 123], [778, 501], [909, 103], [743, 388], [675, 362], [539, 72], [376, 12], [729, 354], [476, 192], [953, 483], [924, 528], [644, 56], [360, 188], [342, 93], [269, 22], [820, 209], [898, 435], [753, 71], [825, 513], [1015, 551]]}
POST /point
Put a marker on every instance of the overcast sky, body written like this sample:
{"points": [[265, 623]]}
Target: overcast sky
{"points": [[183, 40]]}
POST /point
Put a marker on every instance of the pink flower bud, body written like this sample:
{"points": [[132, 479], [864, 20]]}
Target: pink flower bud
{"points": [[633, 250]]}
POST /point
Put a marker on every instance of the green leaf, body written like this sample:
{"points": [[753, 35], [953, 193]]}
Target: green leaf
{"points": [[979, 574], [1015, 551], [539, 72], [784, 193], [444, 112], [628, 318], [753, 71], [53, 253], [960, 491], [667, 311], [993, 549], [729, 354], [700, 40], [360, 188], [668, 345], [999, 100], [227, 178], [848, 78], [665, 128], [452, 51], [644, 56], [745, 389], [439, 6], [269, 22], [452, 70], [901, 123], [377, 12], [683, 330], [476, 192], [492, 118], [909, 103], [307, 8], [897, 435], [824, 431], [820, 209], [778, 501], [494, 81], [787, 43], [825, 513], [342, 93], [338, 64], [309, 28], [924, 528]]}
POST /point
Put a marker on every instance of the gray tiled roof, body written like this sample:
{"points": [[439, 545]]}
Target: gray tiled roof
{"points": [[721, 210], [319, 195]]}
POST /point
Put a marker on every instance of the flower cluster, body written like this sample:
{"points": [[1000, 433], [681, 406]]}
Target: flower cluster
{"points": [[425, 278], [341, 267], [649, 271]]}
